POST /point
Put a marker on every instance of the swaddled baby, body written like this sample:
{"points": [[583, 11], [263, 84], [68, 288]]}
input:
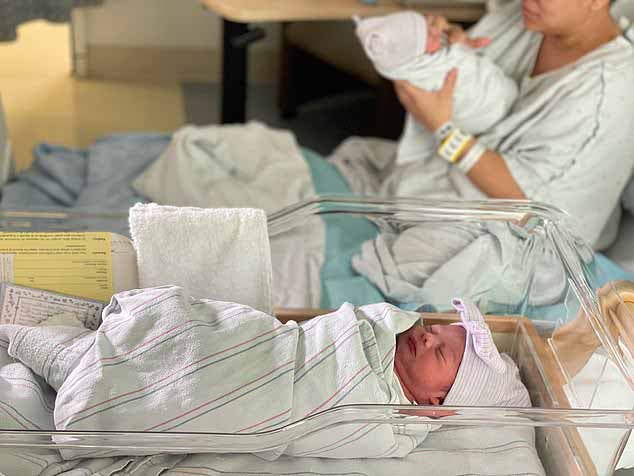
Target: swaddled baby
{"points": [[402, 46], [162, 361]]}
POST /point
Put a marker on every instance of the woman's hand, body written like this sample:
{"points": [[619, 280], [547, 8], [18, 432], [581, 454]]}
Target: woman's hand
{"points": [[455, 33], [431, 108]]}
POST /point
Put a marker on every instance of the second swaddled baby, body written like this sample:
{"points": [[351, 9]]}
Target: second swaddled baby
{"points": [[403, 46]]}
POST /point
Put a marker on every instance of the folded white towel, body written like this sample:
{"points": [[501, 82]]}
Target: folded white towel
{"points": [[218, 253]]}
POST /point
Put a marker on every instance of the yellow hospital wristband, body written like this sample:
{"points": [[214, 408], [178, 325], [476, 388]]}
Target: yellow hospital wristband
{"points": [[453, 145]]}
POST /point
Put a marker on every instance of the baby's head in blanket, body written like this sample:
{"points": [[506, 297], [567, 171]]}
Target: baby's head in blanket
{"points": [[393, 40], [457, 364]]}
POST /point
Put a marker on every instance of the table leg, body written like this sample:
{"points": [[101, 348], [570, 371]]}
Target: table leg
{"points": [[287, 87], [234, 73]]}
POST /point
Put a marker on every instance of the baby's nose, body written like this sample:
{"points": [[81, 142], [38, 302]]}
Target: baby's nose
{"points": [[429, 340], [432, 340]]}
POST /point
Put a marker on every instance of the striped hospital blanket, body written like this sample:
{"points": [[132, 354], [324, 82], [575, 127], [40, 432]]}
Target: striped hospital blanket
{"points": [[161, 361]]}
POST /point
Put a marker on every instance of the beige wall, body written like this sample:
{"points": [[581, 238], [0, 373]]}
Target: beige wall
{"points": [[142, 34], [5, 149]]}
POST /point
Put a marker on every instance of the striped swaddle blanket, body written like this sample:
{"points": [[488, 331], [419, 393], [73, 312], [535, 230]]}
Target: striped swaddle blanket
{"points": [[162, 361]]}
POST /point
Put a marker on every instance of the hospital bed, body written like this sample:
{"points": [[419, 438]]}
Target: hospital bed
{"points": [[570, 428]]}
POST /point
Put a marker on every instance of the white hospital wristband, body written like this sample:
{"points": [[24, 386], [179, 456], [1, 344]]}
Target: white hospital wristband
{"points": [[443, 131], [472, 156]]}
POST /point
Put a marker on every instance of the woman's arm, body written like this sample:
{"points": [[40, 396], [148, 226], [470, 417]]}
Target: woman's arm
{"points": [[433, 109], [491, 175]]}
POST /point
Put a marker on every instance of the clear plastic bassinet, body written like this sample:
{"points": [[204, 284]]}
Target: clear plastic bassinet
{"points": [[548, 299]]}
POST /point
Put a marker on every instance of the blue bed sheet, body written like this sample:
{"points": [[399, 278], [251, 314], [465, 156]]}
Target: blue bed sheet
{"points": [[344, 236], [608, 270], [601, 271]]}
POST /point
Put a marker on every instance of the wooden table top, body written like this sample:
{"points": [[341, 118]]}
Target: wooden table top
{"points": [[247, 11]]}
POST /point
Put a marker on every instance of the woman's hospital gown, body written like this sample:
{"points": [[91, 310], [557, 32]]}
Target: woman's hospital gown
{"points": [[568, 141], [569, 138]]}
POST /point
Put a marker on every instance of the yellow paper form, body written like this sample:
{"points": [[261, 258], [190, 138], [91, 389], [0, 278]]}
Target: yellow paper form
{"points": [[78, 264]]}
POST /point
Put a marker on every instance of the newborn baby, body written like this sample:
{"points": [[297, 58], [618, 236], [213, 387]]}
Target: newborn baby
{"points": [[402, 46], [162, 361]]}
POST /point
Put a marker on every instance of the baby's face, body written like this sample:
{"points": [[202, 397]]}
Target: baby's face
{"points": [[427, 359], [433, 39]]}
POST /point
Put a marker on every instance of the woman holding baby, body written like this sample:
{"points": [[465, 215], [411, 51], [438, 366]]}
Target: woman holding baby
{"points": [[568, 138]]}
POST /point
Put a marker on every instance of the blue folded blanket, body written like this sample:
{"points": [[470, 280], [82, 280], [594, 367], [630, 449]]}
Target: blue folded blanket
{"points": [[93, 180]]}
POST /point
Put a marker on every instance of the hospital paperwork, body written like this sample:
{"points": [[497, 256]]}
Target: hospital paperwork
{"points": [[74, 264], [29, 307]]}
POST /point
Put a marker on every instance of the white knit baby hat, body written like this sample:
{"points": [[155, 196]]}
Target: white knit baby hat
{"points": [[392, 40], [485, 378]]}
